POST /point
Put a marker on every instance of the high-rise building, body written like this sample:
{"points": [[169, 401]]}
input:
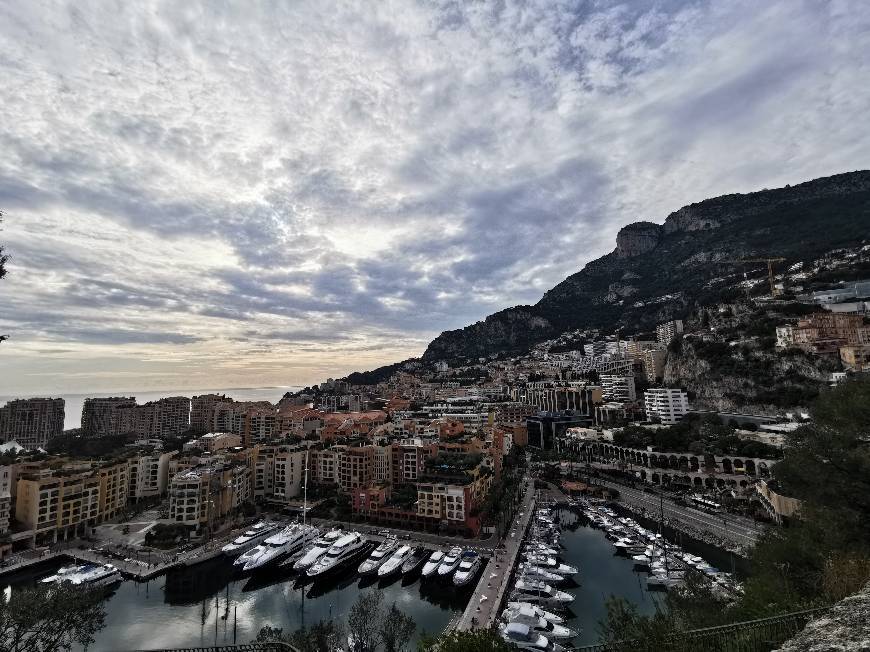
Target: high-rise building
{"points": [[666, 404], [618, 388], [202, 412], [101, 416], [166, 417], [665, 333], [32, 422]]}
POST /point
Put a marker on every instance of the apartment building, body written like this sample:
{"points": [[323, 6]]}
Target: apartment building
{"points": [[666, 404], [449, 493], [355, 467], [604, 348], [511, 413], [556, 397], [6, 480], [101, 416], [58, 505], [114, 488], [200, 497], [856, 357], [667, 332], [166, 417], [278, 471], [635, 349], [214, 441], [325, 465], [149, 474], [654, 364], [819, 329], [31, 422], [257, 424], [620, 389], [202, 411]]}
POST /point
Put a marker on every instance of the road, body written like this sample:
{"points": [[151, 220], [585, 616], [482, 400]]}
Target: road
{"points": [[737, 529]]}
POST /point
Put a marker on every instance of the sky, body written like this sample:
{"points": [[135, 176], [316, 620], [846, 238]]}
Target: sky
{"points": [[226, 194]]}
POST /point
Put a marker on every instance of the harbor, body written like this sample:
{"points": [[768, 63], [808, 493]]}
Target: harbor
{"points": [[215, 601]]}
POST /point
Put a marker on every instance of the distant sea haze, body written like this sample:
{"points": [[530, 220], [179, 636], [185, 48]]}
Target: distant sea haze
{"points": [[74, 402]]}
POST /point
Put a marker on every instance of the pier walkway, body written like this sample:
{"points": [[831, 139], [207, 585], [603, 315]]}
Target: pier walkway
{"points": [[485, 604]]}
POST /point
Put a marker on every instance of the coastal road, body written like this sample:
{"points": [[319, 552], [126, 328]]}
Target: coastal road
{"points": [[737, 529]]}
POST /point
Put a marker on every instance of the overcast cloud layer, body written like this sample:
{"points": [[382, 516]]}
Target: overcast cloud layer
{"points": [[233, 194]]}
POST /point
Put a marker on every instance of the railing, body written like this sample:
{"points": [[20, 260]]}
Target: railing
{"points": [[759, 635], [272, 646]]}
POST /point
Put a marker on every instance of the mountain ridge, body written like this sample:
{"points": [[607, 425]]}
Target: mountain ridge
{"points": [[657, 271]]}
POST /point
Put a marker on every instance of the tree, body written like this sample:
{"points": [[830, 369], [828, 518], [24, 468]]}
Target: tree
{"points": [[48, 618], [396, 630], [478, 640], [323, 636], [364, 621]]}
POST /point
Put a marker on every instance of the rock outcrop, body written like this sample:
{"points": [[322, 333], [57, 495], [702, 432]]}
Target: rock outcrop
{"points": [[636, 239], [844, 628]]}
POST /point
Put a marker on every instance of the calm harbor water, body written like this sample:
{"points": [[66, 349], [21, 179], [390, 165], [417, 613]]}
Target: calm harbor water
{"points": [[208, 605], [602, 574]]}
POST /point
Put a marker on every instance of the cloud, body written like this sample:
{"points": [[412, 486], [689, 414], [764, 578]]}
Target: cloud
{"points": [[321, 187]]}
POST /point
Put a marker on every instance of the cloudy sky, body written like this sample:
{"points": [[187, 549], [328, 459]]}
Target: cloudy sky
{"points": [[232, 194]]}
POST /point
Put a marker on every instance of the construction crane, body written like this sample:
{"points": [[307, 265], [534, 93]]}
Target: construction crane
{"points": [[770, 262]]}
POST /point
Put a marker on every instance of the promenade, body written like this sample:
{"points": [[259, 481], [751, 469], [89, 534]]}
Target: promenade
{"points": [[485, 604]]}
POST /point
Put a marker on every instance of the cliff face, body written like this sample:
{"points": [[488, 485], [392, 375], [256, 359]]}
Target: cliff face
{"points": [[657, 271], [746, 379]]}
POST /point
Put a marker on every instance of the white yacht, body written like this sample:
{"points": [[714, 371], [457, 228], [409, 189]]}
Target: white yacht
{"points": [[540, 593], [86, 575], [394, 563], [523, 637], [432, 564], [550, 564], [532, 572], [450, 562], [527, 616], [286, 542], [249, 538], [514, 608], [317, 549], [469, 564], [342, 552], [378, 556]]}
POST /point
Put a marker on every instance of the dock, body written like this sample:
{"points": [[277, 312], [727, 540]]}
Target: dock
{"points": [[489, 595]]}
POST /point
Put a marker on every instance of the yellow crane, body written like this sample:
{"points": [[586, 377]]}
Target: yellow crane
{"points": [[770, 263]]}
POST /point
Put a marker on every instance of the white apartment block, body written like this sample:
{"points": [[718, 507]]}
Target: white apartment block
{"points": [[665, 333], [149, 475], [669, 405], [620, 389]]}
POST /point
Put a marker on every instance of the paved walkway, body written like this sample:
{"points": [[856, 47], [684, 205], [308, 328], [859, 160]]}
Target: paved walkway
{"points": [[485, 604]]}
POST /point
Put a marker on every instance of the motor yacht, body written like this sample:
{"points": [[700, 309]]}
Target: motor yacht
{"points": [[514, 607], [431, 566], [343, 552], [317, 549], [415, 561], [450, 562], [89, 575], [249, 538], [524, 638], [550, 564], [394, 563], [469, 564], [540, 593], [286, 542], [378, 556], [527, 616]]}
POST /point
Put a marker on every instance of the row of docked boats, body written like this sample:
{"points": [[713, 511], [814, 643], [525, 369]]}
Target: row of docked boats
{"points": [[666, 563], [531, 621], [307, 550]]}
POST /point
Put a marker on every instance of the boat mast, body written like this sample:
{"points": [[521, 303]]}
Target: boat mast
{"points": [[305, 489]]}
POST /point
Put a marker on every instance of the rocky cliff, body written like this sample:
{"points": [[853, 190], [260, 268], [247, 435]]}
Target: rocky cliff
{"points": [[658, 272]]}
